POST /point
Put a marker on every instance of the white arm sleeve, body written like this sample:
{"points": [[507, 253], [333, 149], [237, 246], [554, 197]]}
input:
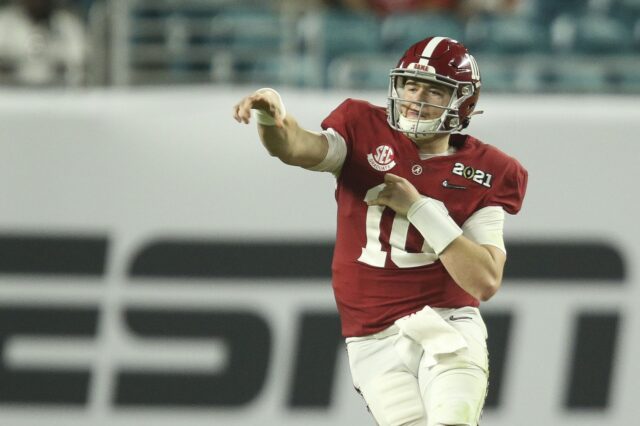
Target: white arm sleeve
{"points": [[486, 227], [335, 155]]}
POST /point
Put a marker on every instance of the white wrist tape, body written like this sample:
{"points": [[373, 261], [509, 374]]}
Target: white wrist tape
{"points": [[431, 218], [263, 117]]}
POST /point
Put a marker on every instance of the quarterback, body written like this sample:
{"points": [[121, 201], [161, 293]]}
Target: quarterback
{"points": [[419, 235]]}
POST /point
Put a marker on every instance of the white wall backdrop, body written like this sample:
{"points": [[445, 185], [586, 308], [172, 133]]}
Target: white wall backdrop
{"points": [[138, 166]]}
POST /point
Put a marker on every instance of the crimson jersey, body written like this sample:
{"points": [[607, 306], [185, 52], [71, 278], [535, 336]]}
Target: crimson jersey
{"points": [[382, 267]]}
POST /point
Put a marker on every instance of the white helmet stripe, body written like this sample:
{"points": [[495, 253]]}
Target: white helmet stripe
{"points": [[429, 48], [475, 71]]}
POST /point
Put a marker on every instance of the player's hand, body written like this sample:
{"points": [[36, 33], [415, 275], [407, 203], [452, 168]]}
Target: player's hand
{"points": [[398, 194], [266, 101]]}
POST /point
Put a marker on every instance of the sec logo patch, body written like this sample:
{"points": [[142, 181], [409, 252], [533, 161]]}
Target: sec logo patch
{"points": [[382, 159]]}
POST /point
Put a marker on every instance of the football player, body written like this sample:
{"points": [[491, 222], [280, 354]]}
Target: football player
{"points": [[419, 234]]}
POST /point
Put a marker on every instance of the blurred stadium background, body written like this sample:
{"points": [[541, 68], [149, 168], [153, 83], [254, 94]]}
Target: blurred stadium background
{"points": [[536, 46], [157, 267]]}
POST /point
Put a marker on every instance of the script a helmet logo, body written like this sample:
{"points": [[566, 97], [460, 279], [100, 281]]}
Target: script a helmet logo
{"points": [[383, 159]]}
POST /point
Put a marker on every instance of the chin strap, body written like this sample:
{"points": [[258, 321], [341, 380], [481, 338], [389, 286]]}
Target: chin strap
{"points": [[419, 126]]}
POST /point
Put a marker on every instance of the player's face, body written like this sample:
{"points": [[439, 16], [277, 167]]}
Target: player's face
{"points": [[424, 91]]}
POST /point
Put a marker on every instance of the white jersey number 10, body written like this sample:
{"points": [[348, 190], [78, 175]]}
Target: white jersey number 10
{"points": [[373, 254]]}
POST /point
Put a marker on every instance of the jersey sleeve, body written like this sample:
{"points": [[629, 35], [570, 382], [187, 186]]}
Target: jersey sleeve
{"points": [[486, 227], [336, 153], [509, 191]]}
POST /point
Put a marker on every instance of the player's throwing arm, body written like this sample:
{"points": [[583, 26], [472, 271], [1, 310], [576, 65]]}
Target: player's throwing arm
{"points": [[279, 132]]}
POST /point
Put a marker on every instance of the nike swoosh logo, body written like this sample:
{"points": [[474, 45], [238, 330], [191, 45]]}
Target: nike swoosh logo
{"points": [[452, 318], [446, 184]]}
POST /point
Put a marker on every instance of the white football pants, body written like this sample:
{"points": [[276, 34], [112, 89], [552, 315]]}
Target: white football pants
{"points": [[403, 386]]}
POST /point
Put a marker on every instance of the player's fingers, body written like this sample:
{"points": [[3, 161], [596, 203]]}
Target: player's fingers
{"points": [[254, 101], [391, 178], [240, 114], [260, 101], [245, 115], [382, 199], [243, 111], [376, 202], [236, 109], [388, 190]]}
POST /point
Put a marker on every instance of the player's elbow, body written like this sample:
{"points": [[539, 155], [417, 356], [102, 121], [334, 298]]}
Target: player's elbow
{"points": [[284, 152], [488, 288], [486, 294], [491, 275], [292, 159], [286, 156], [298, 158]]}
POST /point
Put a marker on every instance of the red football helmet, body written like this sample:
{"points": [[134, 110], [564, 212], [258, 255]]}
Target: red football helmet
{"points": [[437, 60]]}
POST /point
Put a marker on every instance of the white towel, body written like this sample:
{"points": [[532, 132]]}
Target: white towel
{"points": [[428, 329]]}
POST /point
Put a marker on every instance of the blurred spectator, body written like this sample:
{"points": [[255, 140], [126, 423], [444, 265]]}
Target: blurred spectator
{"points": [[387, 7], [41, 44], [470, 8], [463, 8]]}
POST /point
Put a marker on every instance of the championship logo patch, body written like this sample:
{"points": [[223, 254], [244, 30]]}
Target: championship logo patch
{"points": [[383, 158], [478, 176]]}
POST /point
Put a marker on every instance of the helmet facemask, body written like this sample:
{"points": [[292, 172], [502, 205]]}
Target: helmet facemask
{"points": [[420, 128]]}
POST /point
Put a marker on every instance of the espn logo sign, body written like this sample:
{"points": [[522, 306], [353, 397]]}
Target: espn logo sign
{"points": [[172, 267]]}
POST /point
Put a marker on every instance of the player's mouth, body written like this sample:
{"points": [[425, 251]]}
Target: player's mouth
{"points": [[415, 115]]}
